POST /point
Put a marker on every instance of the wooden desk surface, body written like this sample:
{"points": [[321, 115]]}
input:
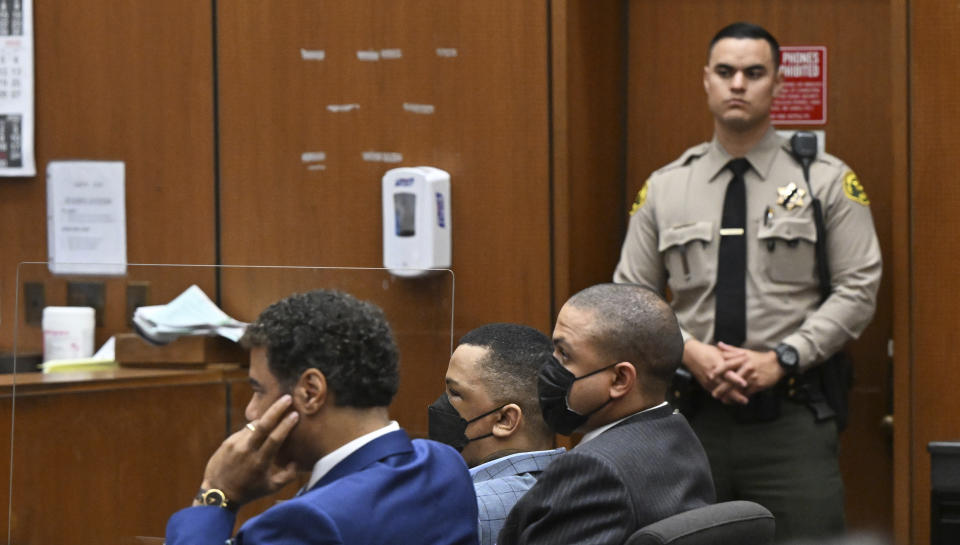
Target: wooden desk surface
{"points": [[100, 457], [121, 377]]}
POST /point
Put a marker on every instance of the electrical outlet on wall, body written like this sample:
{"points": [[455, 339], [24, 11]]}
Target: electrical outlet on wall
{"points": [[138, 293], [88, 294], [34, 299]]}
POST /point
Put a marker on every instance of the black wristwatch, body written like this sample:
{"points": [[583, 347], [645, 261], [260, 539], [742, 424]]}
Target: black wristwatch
{"points": [[788, 358], [215, 497]]}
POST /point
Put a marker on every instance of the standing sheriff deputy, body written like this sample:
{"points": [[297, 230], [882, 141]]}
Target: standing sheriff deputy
{"points": [[765, 293]]}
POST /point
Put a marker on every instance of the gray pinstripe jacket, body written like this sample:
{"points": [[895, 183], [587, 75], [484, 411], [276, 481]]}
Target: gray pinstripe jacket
{"points": [[644, 469]]}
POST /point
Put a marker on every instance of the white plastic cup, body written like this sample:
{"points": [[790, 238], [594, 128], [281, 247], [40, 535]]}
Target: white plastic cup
{"points": [[67, 332]]}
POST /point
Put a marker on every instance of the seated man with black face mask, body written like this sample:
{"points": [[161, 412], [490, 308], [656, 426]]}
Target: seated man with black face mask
{"points": [[617, 347], [490, 413]]}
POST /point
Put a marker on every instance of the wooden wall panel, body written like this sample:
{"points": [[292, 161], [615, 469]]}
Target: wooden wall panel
{"points": [[902, 276], [130, 81], [934, 200], [589, 45], [489, 130], [668, 113]]}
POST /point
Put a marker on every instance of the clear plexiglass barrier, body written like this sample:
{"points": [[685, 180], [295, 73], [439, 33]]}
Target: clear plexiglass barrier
{"points": [[104, 449]]}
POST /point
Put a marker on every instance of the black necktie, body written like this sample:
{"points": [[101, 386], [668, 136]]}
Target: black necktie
{"points": [[730, 325]]}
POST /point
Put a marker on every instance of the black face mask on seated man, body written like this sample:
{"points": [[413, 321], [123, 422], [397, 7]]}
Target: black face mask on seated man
{"points": [[553, 386], [448, 427]]}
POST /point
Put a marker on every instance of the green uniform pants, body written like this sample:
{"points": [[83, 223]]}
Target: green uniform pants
{"points": [[788, 465]]}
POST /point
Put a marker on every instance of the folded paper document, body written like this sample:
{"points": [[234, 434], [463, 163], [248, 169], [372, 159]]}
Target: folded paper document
{"points": [[191, 313], [77, 365], [104, 359]]}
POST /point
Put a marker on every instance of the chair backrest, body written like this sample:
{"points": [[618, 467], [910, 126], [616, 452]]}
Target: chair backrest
{"points": [[727, 523]]}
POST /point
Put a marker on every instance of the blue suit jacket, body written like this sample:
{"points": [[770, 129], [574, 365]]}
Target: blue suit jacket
{"points": [[391, 490]]}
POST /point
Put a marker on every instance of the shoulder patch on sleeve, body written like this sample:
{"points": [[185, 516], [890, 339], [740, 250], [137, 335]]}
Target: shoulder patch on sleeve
{"points": [[853, 190], [641, 198]]}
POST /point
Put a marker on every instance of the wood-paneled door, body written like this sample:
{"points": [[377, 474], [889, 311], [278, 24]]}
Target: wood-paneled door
{"points": [[461, 86], [927, 372]]}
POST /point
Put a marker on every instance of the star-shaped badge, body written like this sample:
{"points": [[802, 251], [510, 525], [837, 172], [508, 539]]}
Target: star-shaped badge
{"points": [[790, 196]]}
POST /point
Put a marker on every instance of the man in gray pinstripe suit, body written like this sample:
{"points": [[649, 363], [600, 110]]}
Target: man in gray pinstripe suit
{"points": [[617, 347]]}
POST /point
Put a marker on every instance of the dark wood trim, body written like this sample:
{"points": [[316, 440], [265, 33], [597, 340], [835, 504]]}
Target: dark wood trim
{"points": [[902, 315]]}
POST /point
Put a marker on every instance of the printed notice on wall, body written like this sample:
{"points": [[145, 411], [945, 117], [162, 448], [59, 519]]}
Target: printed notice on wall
{"points": [[86, 217], [803, 98], [16, 88]]}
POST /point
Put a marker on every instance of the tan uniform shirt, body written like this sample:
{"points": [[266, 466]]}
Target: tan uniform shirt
{"points": [[674, 236]]}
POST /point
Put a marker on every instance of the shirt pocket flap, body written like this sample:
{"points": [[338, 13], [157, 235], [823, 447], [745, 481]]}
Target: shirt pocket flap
{"points": [[789, 229], [683, 234]]}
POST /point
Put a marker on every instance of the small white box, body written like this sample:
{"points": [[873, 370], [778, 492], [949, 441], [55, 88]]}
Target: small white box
{"points": [[416, 220], [67, 332]]}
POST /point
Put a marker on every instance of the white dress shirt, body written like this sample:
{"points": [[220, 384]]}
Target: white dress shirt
{"points": [[593, 433], [325, 464]]}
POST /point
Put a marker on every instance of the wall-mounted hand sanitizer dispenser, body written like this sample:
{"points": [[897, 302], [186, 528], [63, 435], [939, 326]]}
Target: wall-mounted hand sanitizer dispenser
{"points": [[416, 220]]}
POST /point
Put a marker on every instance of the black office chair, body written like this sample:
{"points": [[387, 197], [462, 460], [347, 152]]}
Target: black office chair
{"points": [[727, 523]]}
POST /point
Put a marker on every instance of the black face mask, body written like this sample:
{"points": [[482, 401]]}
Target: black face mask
{"points": [[447, 426], [553, 386]]}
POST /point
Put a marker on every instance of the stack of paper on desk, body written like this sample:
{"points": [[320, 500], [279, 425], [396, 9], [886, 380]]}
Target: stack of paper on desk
{"points": [[104, 359], [78, 365], [191, 313]]}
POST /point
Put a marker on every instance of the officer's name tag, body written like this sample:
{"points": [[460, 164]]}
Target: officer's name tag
{"points": [[731, 232]]}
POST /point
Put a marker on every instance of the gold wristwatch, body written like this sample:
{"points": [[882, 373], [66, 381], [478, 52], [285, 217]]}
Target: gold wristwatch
{"points": [[215, 497]]}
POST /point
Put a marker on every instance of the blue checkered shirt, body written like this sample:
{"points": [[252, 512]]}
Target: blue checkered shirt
{"points": [[500, 483]]}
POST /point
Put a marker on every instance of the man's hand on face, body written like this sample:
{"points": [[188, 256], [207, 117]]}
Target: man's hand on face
{"points": [[244, 467], [745, 372]]}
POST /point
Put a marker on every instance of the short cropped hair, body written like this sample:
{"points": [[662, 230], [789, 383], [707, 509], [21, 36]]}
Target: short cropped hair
{"points": [[634, 324], [347, 339], [509, 370], [749, 31]]}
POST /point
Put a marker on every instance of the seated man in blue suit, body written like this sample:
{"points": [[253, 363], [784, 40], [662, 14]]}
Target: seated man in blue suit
{"points": [[617, 347], [490, 413], [323, 367]]}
